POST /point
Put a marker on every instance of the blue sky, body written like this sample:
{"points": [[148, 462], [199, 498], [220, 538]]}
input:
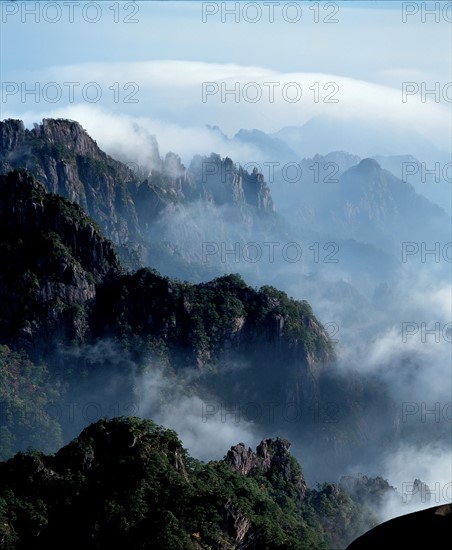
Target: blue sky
{"points": [[166, 52]]}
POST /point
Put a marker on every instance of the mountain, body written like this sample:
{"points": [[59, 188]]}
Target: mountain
{"points": [[68, 303], [370, 205], [129, 482], [270, 148], [62, 157], [82, 337], [170, 218], [236, 344], [323, 134], [66, 292], [65, 264], [432, 180], [66, 160], [59, 259]]}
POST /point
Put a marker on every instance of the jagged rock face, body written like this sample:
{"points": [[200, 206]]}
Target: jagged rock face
{"points": [[219, 181], [59, 258], [149, 203], [12, 137], [367, 491], [236, 525], [64, 158], [67, 161], [122, 483], [65, 282], [242, 459], [271, 457], [222, 323]]}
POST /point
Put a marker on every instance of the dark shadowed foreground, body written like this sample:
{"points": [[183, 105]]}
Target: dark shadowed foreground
{"points": [[425, 529]]}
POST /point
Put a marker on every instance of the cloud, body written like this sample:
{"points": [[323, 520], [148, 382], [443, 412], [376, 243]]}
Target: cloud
{"points": [[431, 464], [230, 95], [130, 138], [207, 429]]}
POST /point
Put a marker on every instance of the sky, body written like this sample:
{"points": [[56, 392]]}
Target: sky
{"points": [[174, 67]]}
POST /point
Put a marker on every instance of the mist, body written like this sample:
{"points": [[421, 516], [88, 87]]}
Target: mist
{"points": [[391, 324], [202, 424], [376, 274]]}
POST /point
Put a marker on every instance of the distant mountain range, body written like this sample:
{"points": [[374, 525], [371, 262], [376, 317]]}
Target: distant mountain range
{"points": [[84, 318], [417, 161]]}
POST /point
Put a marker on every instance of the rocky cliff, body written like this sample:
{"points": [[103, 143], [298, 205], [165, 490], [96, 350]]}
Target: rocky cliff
{"points": [[61, 283], [52, 257], [221, 181], [67, 161], [272, 458], [218, 325]]}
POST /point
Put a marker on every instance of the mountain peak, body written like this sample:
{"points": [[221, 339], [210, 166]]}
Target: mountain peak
{"points": [[368, 165], [271, 458]]}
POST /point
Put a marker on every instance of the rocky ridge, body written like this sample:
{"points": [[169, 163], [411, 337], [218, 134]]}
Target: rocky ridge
{"points": [[67, 161], [271, 456], [129, 481]]}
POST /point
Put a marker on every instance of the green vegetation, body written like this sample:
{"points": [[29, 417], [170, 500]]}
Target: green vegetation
{"points": [[51, 253], [44, 150], [127, 482], [200, 318], [26, 395]]}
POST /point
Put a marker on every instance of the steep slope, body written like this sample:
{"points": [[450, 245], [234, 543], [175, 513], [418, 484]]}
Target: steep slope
{"points": [[224, 318], [432, 180], [27, 393], [64, 158], [66, 302], [52, 256], [67, 161], [65, 293], [62, 265]]}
